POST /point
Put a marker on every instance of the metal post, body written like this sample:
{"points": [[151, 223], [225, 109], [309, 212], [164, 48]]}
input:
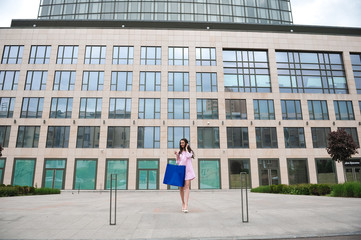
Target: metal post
{"points": [[113, 177], [244, 206]]}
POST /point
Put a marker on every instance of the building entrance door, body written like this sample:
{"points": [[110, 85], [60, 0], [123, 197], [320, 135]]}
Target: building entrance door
{"points": [[54, 178], [269, 171], [352, 170]]}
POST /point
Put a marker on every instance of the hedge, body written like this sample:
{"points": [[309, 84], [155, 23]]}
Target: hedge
{"points": [[348, 189], [9, 191]]}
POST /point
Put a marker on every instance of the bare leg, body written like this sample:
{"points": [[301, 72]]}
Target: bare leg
{"points": [[181, 190], [186, 193]]}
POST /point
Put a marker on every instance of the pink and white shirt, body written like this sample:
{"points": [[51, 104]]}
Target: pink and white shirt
{"points": [[185, 159]]}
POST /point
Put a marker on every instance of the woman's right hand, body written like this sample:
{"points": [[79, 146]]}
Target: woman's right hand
{"points": [[176, 153]]}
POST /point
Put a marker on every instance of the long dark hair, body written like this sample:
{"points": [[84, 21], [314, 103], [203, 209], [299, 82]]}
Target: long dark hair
{"points": [[189, 147]]}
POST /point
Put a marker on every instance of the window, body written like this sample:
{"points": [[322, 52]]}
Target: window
{"points": [[95, 55], [237, 137], [178, 108], [206, 57], [311, 72], [4, 136], [353, 132], [121, 81], [39, 54], [178, 56], [12, 55], [236, 109], [175, 134], [28, 137], [318, 110], [207, 109], [118, 137], [356, 66], [54, 173], [236, 166], [67, 55], [291, 110], [58, 137], [147, 174], [2, 170], [88, 137], [319, 136], [294, 137], [90, 108], [149, 81], [326, 171], [178, 81], [7, 107], [120, 168], [23, 173], [149, 108], [148, 137], [85, 174], [64, 80], [208, 137], [209, 174], [32, 108], [9, 80], [93, 81], [150, 56], [264, 110], [344, 110], [123, 55], [206, 82], [246, 71], [297, 171], [61, 107], [266, 137], [120, 108], [36, 80]]}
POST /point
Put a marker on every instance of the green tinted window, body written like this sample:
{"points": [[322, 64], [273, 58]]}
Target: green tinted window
{"points": [[326, 171], [2, 163], [147, 164], [209, 175], [85, 174], [55, 163], [119, 167], [24, 172]]}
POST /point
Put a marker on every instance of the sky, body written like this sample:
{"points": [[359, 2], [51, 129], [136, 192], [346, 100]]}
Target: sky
{"points": [[345, 13]]}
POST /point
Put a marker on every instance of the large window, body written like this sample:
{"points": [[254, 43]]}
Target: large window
{"points": [[12, 55], [264, 109], [93, 81], [178, 81], [2, 170], [343, 110], [58, 137], [123, 55], [353, 132], [237, 137], [120, 108], [54, 173], [294, 137], [178, 56], [209, 174], [246, 71], [85, 174], [207, 109], [67, 55], [90, 108], [149, 108], [206, 57], [64, 80], [319, 136], [236, 109], [147, 174], [207, 82], [326, 171], [356, 66], [149, 81], [88, 137], [28, 137], [318, 110], [7, 107], [311, 72], [150, 56], [32, 108], [118, 137], [39, 55], [148, 137], [36, 80], [236, 166], [120, 168], [9, 80], [266, 137], [95, 55], [121, 81], [23, 173], [291, 110], [297, 171], [178, 108], [175, 134], [4, 136], [208, 137], [61, 107]]}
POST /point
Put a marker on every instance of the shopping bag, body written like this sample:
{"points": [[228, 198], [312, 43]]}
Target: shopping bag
{"points": [[174, 175]]}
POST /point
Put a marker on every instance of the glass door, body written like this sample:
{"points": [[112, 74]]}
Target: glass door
{"points": [[148, 174], [352, 171], [269, 172], [54, 178]]}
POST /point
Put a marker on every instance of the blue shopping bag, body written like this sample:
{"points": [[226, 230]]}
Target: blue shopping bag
{"points": [[174, 175]]}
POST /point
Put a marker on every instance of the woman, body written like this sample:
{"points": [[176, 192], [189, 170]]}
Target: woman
{"points": [[184, 157]]}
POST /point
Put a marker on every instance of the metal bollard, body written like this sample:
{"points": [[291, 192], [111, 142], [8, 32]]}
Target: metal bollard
{"points": [[113, 177], [245, 218]]}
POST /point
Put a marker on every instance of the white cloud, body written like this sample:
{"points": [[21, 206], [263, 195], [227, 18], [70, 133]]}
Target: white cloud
{"points": [[17, 9]]}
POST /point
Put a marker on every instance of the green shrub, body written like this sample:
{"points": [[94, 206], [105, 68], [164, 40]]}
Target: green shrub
{"points": [[9, 191], [43, 191], [262, 189], [348, 189], [299, 189]]}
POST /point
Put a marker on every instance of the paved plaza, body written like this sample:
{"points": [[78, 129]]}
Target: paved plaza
{"points": [[157, 215]]}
